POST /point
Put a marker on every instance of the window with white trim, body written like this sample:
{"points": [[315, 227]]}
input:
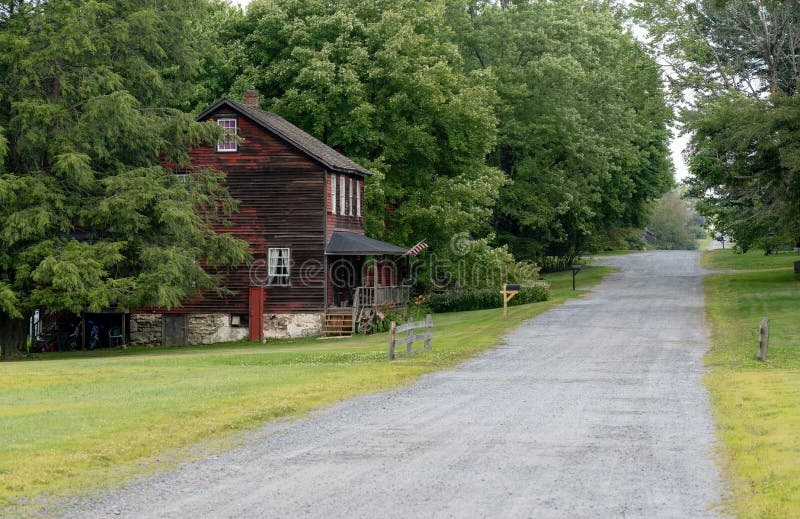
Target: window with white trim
{"points": [[333, 194], [358, 198], [278, 266], [350, 208], [342, 188], [228, 141]]}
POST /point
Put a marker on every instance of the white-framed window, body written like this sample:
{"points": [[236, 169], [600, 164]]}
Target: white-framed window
{"points": [[240, 321], [351, 209], [358, 198], [278, 266], [183, 178], [342, 189], [333, 194], [228, 141]]}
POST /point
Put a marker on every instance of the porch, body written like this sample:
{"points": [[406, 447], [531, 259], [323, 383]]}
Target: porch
{"points": [[343, 321], [364, 276]]}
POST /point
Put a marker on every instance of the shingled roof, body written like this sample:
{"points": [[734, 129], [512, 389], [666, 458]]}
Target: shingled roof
{"points": [[294, 136]]}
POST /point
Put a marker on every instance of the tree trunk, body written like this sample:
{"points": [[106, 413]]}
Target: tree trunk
{"points": [[13, 337]]}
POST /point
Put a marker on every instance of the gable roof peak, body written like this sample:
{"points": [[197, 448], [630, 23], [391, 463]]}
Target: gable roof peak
{"points": [[294, 136]]}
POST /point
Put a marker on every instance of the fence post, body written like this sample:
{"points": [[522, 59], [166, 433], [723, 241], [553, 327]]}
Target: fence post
{"points": [[763, 340], [428, 331], [410, 345], [392, 336]]}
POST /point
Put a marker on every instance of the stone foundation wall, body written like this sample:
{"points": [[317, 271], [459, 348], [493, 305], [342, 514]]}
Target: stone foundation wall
{"points": [[213, 328], [147, 330], [292, 326]]}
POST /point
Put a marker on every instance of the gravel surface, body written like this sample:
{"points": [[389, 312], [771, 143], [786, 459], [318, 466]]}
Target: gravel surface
{"points": [[595, 409]]}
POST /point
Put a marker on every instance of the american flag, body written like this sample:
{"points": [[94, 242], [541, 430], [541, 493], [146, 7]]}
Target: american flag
{"points": [[416, 249]]}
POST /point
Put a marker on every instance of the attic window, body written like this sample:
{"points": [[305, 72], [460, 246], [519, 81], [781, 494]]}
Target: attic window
{"points": [[228, 141]]}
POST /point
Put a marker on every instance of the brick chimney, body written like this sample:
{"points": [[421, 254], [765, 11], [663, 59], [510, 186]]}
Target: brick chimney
{"points": [[251, 98]]}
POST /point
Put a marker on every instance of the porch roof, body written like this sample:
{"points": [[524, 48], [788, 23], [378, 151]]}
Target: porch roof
{"points": [[345, 243]]}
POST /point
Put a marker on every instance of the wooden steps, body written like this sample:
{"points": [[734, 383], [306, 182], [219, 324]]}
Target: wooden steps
{"points": [[338, 323]]}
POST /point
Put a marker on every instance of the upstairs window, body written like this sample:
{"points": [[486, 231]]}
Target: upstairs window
{"points": [[342, 194], [333, 194], [183, 175], [228, 141], [278, 266], [351, 209], [358, 198]]}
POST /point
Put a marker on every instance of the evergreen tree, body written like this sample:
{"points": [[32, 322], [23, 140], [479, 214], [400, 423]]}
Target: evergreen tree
{"points": [[89, 219]]}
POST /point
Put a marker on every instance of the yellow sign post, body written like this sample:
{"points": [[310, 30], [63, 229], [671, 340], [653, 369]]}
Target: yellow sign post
{"points": [[508, 291]]}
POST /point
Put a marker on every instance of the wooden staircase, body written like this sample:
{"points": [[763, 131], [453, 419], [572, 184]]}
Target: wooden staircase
{"points": [[338, 323]]}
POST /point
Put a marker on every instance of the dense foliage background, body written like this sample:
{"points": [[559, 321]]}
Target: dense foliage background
{"points": [[735, 70], [499, 131]]}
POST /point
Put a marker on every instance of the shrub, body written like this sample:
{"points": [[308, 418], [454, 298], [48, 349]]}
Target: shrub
{"points": [[551, 264], [462, 300]]}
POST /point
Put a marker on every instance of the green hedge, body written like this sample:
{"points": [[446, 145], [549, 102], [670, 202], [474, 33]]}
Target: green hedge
{"points": [[461, 300]]}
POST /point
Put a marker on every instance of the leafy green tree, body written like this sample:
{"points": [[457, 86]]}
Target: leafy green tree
{"points": [[670, 225], [583, 121], [381, 81], [745, 167], [712, 47], [88, 217], [737, 64]]}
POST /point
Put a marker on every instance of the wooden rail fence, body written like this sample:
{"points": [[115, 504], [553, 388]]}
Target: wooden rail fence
{"points": [[412, 337]]}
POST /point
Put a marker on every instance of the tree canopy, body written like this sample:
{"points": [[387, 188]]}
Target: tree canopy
{"points": [[90, 219], [382, 81], [735, 66], [496, 131], [583, 122]]}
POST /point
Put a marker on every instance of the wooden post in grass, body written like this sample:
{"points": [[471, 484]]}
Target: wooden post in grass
{"points": [[410, 337], [392, 339], [763, 339]]}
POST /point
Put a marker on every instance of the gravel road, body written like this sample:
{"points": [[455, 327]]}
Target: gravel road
{"points": [[594, 410]]}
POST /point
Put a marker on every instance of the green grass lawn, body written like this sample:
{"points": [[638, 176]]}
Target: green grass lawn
{"points": [[703, 243], [726, 259], [74, 422], [756, 405]]}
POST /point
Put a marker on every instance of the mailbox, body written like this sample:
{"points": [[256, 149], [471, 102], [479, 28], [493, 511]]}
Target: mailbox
{"points": [[575, 270], [512, 288]]}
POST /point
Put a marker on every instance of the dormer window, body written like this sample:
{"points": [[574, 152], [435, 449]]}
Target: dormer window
{"points": [[228, 141]]}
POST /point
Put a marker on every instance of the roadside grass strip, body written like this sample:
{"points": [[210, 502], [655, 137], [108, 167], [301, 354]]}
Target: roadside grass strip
{"points": [[756, 405], [75, 423]]}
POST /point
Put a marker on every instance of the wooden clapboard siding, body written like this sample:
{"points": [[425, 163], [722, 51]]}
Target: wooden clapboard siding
{"points": [[282, 178], [337, 222], [280, 192]]}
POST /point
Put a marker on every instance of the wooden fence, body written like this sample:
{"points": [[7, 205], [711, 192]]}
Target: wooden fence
{"points": [[411, 337]]}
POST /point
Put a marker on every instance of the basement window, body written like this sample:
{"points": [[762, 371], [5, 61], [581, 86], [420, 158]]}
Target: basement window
{"points": [[228, 141], [239, 321]]}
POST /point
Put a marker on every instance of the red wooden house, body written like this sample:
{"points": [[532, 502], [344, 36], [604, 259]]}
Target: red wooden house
{"points": [[301, 208]]}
